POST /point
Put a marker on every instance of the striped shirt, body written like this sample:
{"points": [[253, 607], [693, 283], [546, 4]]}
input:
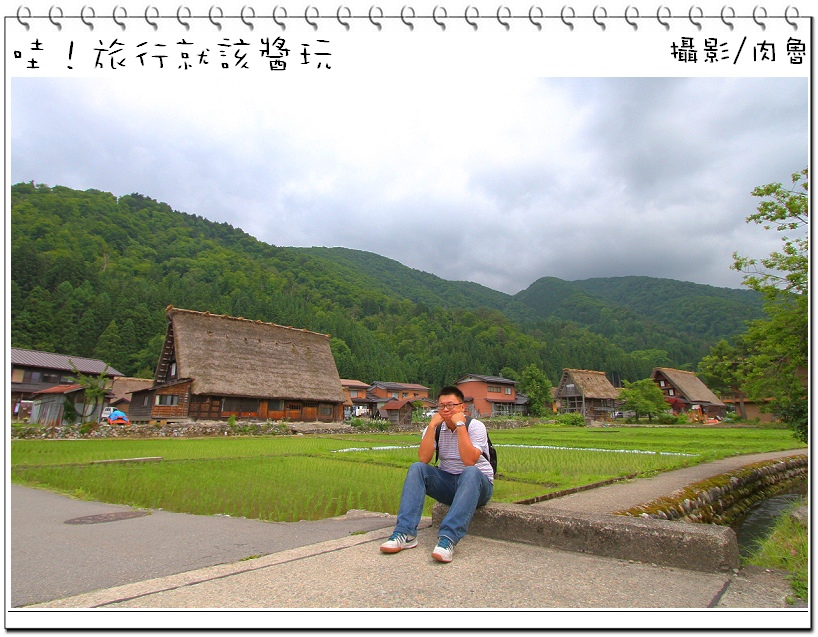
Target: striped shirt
{"points": [[449, 452]]}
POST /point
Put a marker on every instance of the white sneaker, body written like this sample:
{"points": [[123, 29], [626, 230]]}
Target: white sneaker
{"points": [[444, 551], [397, 542]]}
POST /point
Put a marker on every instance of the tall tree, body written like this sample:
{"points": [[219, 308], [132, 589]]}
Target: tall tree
{"points": [[644, 397], [535, 385], [776, 349]]}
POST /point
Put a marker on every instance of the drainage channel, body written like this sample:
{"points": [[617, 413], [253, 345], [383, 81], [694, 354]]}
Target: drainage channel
{"points": [[754, 526]]}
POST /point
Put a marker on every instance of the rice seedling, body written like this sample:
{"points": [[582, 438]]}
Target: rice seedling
{"points": [[289, 478]]}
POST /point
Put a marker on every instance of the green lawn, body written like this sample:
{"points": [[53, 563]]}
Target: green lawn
{"points": [[287, 478]]}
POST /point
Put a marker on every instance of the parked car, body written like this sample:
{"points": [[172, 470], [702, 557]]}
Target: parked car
{"points": [[103, 418], [429, 413]]}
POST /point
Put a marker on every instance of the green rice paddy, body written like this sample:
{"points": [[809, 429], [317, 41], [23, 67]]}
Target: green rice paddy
{"points": [[290, 478]]}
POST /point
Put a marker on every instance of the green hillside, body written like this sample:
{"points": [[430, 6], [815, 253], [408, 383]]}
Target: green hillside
{"points": [[645, 313], [91, 275]]}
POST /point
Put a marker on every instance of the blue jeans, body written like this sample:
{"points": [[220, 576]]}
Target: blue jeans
{"points": [[463, 493]]}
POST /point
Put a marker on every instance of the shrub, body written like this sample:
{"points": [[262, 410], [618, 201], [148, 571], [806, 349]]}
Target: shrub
{"points": [[671, 419], [356, 422], [231, 422], [571, 420], [380, 424], [86, 428]]}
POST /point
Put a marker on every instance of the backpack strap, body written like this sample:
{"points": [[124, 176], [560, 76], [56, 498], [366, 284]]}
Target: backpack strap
{"points": [[437, 438]]}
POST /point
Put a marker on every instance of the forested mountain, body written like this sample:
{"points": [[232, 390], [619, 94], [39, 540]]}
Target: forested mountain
{"points": [[91, 275]]}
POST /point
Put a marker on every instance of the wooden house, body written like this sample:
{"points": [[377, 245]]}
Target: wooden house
{"points": [[216, 366], [492, 395], [587, 392], [400, 391], [33, 371], [357, 401], [65, 405], [685, 392]]}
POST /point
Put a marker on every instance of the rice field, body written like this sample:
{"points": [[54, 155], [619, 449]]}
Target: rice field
{"points": [[291, 478]]}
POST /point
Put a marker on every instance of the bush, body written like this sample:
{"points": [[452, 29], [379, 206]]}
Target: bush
{"points": [[672, 419], [231, 422], [570, 420], [356, 422]]}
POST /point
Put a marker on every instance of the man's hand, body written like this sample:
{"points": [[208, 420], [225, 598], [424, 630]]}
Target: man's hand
{"points": [[454, 417]]}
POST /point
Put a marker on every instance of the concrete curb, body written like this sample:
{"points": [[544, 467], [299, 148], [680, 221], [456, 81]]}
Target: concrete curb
{"points": [[698, 547]]}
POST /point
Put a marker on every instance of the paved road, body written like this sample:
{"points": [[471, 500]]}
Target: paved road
{"points": [[51, 559]]}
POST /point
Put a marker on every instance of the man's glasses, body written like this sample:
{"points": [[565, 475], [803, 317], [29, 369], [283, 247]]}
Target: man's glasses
{"points": [[443, 406]]}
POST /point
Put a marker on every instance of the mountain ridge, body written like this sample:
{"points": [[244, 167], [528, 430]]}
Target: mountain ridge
{"points": [[92, 273]]}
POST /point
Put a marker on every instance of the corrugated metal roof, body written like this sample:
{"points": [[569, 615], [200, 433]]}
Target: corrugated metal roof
{"points": [[389, 385], [59, 389], [49, 360], [346, 382], [487, 379]]}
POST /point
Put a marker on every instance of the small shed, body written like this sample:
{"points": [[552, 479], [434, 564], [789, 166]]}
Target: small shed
{"points": [[399, 412], [587, 392], [53, 407]]}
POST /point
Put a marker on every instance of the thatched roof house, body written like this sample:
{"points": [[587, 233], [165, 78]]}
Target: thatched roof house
{"points": [[685, 391], [587, 392], [214, 366]]}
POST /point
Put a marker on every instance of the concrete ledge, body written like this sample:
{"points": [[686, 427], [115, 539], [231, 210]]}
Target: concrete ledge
{"points": [[698, 547]]}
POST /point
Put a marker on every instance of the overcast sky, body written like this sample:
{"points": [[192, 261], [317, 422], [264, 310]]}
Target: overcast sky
{"points": [[499, 182]]}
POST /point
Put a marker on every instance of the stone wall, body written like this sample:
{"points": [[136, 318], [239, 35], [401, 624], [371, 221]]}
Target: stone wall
{"points": [[222, 428], [725, 498], [176, 430]]}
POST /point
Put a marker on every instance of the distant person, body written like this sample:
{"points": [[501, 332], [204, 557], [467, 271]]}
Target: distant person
{"points": [[464, 480]]}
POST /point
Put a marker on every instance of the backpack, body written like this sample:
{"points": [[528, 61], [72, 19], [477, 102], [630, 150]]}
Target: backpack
{"points": [[491, 457]]}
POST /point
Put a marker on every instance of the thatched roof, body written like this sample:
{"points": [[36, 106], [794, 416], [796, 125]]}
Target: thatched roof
{"points": [[124, 386], [227, 356], [688, 385], [590, 383]]}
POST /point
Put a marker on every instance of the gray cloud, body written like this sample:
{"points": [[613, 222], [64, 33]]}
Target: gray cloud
{"points": [[500, 183]]}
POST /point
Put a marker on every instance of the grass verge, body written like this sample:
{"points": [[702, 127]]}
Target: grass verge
{"points": [[786, 548]]}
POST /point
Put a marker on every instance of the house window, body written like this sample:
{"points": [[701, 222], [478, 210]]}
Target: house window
{"points": [[493, 389], [394, 394], [405, 394], [353, 393], [670, 392], [240, 404], [326, 410], [31, 376], [50, 377], [275, 405], [172, 370], [662, 383], [146, 400], [508, 391], [167, 400]]}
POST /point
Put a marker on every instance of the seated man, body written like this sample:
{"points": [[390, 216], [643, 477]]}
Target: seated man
{"points": [[464, 480]]}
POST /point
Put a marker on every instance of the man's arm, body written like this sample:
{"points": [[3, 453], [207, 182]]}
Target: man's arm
{"points": [[469, 454], [427, 444]]}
